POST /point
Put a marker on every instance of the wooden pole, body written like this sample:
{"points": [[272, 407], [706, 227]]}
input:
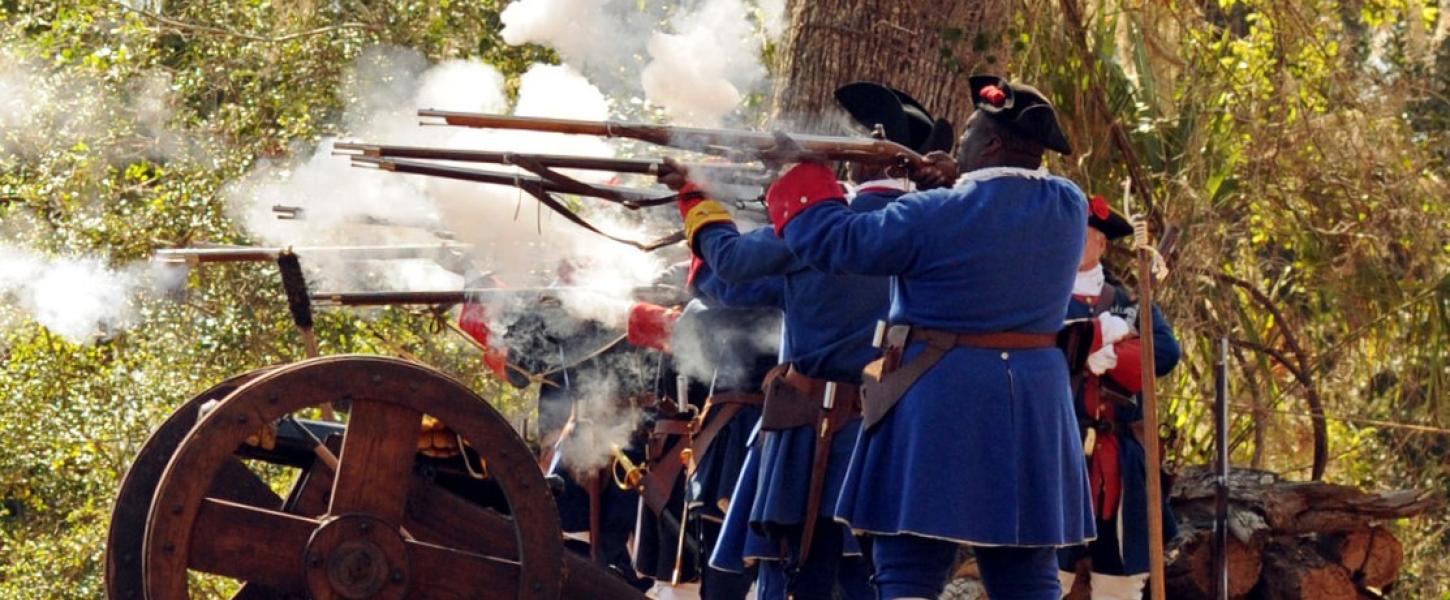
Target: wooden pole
{"points": [[1150, 425], [1149, 398], [1137, 182]]}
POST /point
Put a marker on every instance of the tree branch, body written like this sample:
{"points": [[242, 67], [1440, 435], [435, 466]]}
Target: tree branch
{"points": [[220, 31]]}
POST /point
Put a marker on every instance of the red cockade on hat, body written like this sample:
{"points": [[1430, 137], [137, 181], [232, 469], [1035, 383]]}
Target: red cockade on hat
{"points": [[993, 95], [1099, 207]]}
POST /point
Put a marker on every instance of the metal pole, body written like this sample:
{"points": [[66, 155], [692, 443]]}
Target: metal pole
{"points": [[1221, 471]]}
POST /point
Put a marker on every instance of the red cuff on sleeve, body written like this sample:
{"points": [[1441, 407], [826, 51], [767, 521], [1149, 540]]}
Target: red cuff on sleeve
{"points": [[689, 196], [804, 186], [1129, 371], [473, 320], [650, 325]]}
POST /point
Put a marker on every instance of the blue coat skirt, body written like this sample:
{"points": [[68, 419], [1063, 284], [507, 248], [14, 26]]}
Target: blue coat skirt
{"points": [[786, 458], [740, 541], [982, 450]]}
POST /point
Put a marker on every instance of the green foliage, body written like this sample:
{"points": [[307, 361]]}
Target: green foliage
{"points": [[240, 80], [1298, 149]]}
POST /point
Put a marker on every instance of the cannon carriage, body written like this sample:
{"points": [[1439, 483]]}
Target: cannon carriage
{"points": [[367, 513]]}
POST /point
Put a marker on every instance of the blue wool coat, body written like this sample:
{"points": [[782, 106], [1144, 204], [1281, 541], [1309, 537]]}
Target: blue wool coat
{"points": [[829, 321], [1131, 526], [984, 448]]}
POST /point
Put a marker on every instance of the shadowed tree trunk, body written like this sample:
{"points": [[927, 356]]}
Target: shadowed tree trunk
{"points": [[926, 48]]}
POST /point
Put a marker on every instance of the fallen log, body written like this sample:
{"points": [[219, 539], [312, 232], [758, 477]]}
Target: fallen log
{"points": [[1190, 574], [1294, 570], [1293, 508], [1372, 556]]}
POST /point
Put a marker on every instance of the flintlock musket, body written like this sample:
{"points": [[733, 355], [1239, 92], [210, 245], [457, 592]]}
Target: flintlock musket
{"points": [[658, 294], [725, 173], [734, 143], [230, 254]]}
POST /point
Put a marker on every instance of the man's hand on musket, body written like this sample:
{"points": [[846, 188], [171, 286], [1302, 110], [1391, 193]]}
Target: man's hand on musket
{"points": [[697, 209], [940, 171], [673, 174]]}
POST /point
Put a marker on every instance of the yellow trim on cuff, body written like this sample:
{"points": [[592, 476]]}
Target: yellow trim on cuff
{"points": [[705, 213]]}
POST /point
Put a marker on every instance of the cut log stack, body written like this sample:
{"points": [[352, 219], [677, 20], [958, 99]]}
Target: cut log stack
{"points": [[1289, 540]]}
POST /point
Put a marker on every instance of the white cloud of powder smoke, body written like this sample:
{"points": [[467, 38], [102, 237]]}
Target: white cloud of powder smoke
{"points": [[521, 242], [514, 237], [78, 298], [697, 64], [42, 107]]}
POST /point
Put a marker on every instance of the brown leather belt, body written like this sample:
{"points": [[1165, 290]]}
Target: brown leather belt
{"points": [[886, 379], [793, 399], [667, 463]]}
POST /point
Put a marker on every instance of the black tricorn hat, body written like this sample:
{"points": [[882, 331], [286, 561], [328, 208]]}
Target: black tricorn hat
{"points": [[903, 119], [1021, 108], [1102, 217]]}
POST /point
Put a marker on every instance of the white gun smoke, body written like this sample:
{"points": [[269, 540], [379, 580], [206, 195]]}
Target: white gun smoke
{"points": [[42, 108], [511, 235], [700, 64], [80, 299]]}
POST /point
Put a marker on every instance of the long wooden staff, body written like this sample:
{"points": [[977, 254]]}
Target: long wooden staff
{"points": [[1148, 263]]}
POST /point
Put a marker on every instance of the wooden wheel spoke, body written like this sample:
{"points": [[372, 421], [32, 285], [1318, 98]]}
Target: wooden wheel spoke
{"points": [[236, 483], [376, 465], [256, 545], [440, 572]]}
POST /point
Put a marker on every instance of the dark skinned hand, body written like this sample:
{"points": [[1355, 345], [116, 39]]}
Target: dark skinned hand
{"points": [[940, 171], [673, 174]]}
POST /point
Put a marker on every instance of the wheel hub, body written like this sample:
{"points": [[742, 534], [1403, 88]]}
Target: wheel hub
{"points": [[357, 557]]}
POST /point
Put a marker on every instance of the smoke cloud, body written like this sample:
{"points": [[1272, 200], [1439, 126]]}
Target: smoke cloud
{"points": [[696, 60], [700, 73], [512, 236], [44, 107], [80, 299]]}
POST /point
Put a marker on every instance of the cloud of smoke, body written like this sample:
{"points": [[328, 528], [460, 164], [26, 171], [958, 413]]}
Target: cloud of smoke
{"points": [[80, 299], [697, 64], [44, 107], [512, 236], [700, 73]]}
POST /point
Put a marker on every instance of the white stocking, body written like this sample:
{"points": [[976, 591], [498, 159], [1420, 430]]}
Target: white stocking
{"points": [[1118, 587]]}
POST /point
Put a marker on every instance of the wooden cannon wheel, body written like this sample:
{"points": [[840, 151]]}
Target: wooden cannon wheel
{"points": [[380, 534], [127, 534]]}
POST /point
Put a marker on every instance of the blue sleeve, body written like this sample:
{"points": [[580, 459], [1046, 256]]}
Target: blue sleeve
{"points": [[737, 257], [833, 238], [766, 292], [1165, 344]]}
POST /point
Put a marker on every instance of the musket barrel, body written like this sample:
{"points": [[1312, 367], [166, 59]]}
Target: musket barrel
{"points": [[261, 254], [658, 294], [714, 141], [556, 161], [728, 172], [500, 178]]}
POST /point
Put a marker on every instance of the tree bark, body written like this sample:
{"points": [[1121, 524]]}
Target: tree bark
{"points": [[1190, 576], [1294, 571], [927, 48], [1372, 556]]}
